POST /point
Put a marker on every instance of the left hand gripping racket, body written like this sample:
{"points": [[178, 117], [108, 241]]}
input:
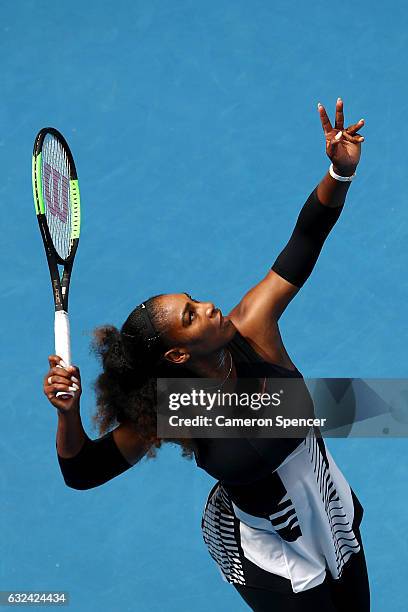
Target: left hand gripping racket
{"points": [[57, 204]]}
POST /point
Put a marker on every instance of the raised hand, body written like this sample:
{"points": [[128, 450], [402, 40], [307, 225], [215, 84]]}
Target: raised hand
{"points": [[343, 146]]}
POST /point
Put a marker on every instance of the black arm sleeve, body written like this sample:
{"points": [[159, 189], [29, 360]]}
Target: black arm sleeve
{"points": [[297, 260], [97, 462]]}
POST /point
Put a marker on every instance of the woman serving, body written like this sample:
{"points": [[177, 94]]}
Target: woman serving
{"points": [[282, 523]]}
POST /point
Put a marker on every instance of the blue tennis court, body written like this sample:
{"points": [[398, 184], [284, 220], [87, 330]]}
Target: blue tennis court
{"points": [[197, 140]]}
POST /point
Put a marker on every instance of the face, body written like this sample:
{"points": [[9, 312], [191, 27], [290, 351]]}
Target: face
{"points": [[194, 328]]}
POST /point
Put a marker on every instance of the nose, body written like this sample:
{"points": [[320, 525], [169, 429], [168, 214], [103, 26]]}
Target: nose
{"points": [[211, 310]]}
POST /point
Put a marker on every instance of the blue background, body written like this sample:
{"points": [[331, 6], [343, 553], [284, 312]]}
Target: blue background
{"points": [[197, 140]]}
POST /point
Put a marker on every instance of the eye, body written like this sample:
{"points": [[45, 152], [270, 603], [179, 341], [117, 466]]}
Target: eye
{"points": [[191, 313], [191, 298]]}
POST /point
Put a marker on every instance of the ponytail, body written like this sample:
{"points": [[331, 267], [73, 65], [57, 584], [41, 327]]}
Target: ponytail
{"points": [[131, 362]]}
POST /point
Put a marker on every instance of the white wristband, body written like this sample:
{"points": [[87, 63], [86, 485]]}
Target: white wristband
{"points": [[344, 179]]}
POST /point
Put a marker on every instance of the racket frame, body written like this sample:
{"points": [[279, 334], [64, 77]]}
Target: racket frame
{"points": [[60, 285]]}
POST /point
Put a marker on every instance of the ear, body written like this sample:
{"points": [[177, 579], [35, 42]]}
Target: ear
{"points": [[177, 356]]}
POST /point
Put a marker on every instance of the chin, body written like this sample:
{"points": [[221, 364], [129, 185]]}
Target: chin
{"points": [[229, 326], [228, 330]]}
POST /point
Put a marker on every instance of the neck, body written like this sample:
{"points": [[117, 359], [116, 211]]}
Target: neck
{"points": [[217, 365]]}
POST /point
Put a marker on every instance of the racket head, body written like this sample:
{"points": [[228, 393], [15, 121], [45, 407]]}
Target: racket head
{"points": [[56, 194]]}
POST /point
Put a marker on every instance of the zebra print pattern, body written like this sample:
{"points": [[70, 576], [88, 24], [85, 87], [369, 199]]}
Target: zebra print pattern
{"points": [[218, 528], [285, 521], [344, 546]]}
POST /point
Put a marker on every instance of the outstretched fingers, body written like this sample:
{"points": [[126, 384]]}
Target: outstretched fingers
{"points": [[339, 121], [326, 125], [353, 129]]}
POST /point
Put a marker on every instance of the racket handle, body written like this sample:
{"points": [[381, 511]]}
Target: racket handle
{"points": [[63, 344]]}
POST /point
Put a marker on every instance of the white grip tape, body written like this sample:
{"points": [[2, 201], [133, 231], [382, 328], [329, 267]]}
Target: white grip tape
{"points": [[62, 336], [63, 344]]}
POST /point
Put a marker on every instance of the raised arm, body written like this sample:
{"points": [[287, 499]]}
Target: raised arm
{"points": [[269, 298], [87, 463]]}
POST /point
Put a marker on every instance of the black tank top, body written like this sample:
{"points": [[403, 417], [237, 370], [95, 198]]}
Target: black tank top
{"points": [[250, 364], [240, 461]]}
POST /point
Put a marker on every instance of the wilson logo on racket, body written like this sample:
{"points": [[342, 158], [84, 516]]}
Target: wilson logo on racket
{"points": [[56, 187]]}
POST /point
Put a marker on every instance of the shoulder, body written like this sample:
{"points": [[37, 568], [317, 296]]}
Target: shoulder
{"points": [[263, 336]]}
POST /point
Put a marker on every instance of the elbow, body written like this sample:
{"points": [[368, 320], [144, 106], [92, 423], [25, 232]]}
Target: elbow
{"points": [[75, 477], [97, 462], [79, 485]]}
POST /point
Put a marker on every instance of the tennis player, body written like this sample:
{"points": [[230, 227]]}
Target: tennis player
{"points": [[281, 523]]}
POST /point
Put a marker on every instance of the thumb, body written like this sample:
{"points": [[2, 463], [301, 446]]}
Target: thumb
{"points": [[331, 144]]}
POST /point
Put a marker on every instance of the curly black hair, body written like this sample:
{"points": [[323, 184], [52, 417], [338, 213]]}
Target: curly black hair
{"points": [[132, 361]]}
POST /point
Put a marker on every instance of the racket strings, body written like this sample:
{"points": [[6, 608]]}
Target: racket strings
{"points": [[56, 194]]}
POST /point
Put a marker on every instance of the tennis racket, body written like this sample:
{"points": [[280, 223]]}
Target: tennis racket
{"points": [[57, 204]]}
